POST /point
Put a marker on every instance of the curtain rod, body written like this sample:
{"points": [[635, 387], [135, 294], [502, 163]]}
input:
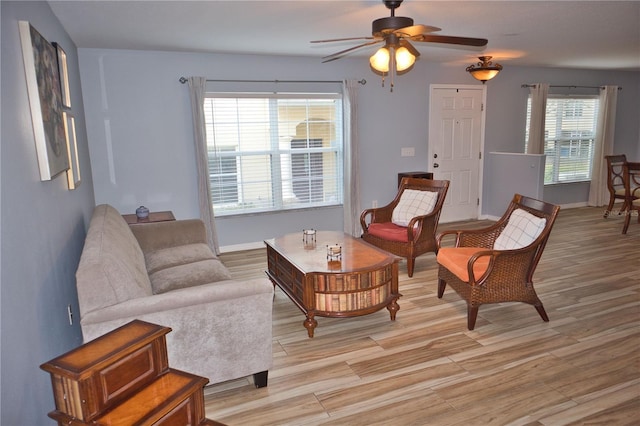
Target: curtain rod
{"points": [[183, 80], [570, 87]]}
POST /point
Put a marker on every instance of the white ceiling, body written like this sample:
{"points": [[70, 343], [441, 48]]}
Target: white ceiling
{"points": [[567, 34]]}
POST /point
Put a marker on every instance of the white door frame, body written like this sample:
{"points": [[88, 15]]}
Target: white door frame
{"points": [[483, 88]]}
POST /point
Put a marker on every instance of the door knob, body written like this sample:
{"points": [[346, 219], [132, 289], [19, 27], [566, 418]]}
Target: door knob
{"points": [[436, 165]]}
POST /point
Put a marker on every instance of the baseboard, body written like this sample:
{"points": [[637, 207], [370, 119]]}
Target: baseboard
{"points": [[573, 205], [242, 247]]}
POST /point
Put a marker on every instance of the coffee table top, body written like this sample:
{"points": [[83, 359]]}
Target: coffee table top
{"points": [[356, 255]]}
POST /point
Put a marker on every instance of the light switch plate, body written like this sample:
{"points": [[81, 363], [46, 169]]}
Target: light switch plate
{"points": [[407, 152]]}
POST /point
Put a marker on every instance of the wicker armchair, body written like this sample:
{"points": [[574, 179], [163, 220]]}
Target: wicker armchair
{"points": [[615, 181], [418, 235], [632, 192], [481, 271]]}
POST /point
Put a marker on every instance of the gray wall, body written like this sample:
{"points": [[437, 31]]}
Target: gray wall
{"points": [[43, 229], [139, 126]]}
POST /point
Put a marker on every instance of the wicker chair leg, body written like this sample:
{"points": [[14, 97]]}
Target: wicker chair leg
{"points": [[542, 312], [441, 285], [411, 262], [472, 314]]}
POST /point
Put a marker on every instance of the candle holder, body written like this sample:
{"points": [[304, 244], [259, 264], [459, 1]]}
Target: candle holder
{"points": [[334, 252], [308, 236]]}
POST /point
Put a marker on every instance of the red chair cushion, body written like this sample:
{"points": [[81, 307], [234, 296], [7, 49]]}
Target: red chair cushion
{"points": [[455, 259], [389, 231]]}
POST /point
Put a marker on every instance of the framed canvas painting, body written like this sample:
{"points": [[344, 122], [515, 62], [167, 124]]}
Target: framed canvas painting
{"points": [[64, 75], [43, 87], [73, 174]]}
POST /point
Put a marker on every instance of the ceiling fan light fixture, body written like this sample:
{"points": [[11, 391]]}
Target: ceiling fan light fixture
{"points": [[484, 70], [380, 60], [404, 59]]}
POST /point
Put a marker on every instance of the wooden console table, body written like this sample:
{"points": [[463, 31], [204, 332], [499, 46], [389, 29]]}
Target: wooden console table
{"points": [[417, 175], [362, 281], [132, 219]]}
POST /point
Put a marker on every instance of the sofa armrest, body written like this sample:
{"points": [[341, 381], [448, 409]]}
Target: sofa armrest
{"points": [[160, 235]]}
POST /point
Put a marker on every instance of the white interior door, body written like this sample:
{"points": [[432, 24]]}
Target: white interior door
{"points": [[456, 125]]}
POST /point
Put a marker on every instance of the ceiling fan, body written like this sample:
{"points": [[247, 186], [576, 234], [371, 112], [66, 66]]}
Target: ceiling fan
{"points": [[397, 33]]}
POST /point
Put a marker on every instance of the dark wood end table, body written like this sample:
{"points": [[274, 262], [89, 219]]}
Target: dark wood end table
{"points": [[132, 219]]}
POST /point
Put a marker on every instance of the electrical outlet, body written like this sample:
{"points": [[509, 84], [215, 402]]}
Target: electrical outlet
{"points": [[70, 313], [374, 204], [407, 152]]}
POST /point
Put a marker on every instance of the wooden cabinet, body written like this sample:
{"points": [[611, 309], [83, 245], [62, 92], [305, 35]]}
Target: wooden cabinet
{"points": [[418, 175], [123, 378]]}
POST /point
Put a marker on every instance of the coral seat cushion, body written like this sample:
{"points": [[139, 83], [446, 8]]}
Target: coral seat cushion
{"points": [[455, 259], [389, 231]]}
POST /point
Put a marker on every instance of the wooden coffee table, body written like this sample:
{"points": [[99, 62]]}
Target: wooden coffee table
{"points": [[362, 281]]}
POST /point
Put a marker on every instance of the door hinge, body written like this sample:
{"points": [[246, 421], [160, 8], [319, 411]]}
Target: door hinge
{"points": [[481, 107], [480, 155], [478, 201]]}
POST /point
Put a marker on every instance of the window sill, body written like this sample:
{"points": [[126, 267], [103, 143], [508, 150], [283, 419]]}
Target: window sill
{"points": [[271, 212], [568, 183]]}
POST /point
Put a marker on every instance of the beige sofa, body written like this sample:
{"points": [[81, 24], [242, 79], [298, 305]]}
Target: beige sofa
{"points": [[166, 274]]}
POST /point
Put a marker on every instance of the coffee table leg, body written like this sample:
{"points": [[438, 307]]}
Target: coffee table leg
{"points": [[310, 323], [393, 308]]}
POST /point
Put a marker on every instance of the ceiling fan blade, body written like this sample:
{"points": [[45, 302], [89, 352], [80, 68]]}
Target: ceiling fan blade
{"points": [[409, 46], [465, 41], [341, 53], [416, 30], [342, 39]]}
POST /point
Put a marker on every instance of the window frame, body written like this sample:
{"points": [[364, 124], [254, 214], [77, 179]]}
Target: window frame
{"points": [[573, 139], [279, 158]]}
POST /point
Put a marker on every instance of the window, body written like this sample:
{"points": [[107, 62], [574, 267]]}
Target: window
{"points": [[569, 137], [272, 152]]}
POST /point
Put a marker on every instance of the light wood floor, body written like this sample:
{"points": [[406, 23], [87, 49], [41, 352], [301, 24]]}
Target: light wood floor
{"points": [[426, 368]]}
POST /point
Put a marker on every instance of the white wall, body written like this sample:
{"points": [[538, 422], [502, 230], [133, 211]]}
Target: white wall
{"points": [[43, 229], [139, 125]]}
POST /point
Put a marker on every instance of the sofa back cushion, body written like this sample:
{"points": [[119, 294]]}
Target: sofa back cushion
{"points": [[112, 266]]}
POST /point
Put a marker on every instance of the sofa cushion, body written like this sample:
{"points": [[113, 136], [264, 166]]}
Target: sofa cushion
{"points": [[174, 256], [522, 229], [456, 260], [112, 267], [189, 275], [413, 203]]}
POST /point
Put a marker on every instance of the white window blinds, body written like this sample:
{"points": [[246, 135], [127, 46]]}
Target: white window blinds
{"points": [[570, 130], [270, 152]]}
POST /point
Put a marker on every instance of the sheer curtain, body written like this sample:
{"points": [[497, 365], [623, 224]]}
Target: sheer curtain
{"points": [[598, 193], [351, 164], [197, 89], [539, 93]]}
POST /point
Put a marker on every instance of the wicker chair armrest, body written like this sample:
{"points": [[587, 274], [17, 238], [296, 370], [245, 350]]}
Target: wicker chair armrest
{"points": [[363, 219], [504, 265], [378, 214], [484, 237], [443, 234]]}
